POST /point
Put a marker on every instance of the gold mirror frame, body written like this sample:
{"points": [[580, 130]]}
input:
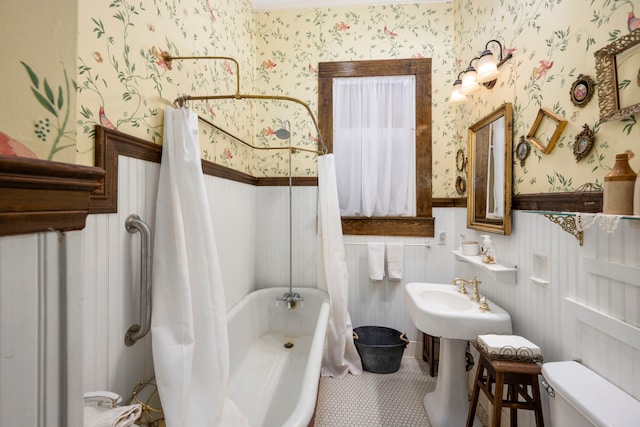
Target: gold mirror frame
{"points": [[479, 177], [607, 74]]}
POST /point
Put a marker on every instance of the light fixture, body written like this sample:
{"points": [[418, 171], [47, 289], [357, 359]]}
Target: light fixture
{"points": [[469, 84], [488, 65], [486, 74], [457, 97]]}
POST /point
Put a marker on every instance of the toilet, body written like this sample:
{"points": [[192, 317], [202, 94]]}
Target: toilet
{"points": [[579, 397]]}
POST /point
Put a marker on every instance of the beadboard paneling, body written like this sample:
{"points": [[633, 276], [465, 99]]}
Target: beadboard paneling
{"points": [[112, 268], [540, 312], [111, 285], [272, 236], [381, 303], [39, 321]]}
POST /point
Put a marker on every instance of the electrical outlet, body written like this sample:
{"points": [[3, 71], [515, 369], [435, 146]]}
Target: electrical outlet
{"points": [[442, 237]]}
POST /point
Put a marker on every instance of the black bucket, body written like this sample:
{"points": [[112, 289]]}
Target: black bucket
{"points": [[379, 348]]}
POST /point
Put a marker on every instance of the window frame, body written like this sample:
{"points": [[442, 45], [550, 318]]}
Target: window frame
{"points": [[421, 225]]}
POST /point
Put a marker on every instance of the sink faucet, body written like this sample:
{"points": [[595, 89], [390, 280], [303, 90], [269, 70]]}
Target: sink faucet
{"points": [[475, 296], [461, 285]]}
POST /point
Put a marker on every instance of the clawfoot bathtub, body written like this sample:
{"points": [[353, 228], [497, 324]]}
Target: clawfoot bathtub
{"points": [[276, 355]]}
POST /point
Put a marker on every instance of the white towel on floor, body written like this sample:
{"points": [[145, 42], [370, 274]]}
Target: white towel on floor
{"points": [[120, 416], [376, 260], [395, 260]]}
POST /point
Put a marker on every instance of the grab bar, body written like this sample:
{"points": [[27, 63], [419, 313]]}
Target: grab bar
{"points": [[134, 224]]}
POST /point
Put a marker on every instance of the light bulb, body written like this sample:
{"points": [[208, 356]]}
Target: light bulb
{"points": [[487, 67], [469, 84], [456, 96]]}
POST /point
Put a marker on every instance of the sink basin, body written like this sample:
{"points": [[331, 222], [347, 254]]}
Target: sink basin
{"points": [[441, 311]]}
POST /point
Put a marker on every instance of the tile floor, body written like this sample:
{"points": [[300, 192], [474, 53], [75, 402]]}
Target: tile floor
{"points": [[370, 400]]}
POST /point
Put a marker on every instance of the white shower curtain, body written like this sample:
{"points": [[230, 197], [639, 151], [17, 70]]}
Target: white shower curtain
{"points": [[188, 326], [340, 355]]}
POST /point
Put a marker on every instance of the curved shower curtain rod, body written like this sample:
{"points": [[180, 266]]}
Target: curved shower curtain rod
{"points": [[181, 100]]}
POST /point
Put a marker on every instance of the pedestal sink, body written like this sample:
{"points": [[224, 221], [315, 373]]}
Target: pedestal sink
{"points": [[441, 311]]}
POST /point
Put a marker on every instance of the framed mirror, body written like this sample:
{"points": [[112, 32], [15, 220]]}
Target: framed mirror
{"points": [[490, 172], [619, 77]]}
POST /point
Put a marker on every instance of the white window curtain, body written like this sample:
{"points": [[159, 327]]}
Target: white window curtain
{"points": [[374, 145]]}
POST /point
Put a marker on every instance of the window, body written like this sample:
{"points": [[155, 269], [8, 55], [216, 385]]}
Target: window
{"points": [[374, 144], [422, 223]]}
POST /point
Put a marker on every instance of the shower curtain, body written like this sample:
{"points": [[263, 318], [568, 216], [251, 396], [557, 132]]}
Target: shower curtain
{"points": [[340, 355], [188, 326]]}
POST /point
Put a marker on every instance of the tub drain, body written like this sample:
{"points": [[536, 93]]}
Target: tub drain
{"points": [[288, 344]]}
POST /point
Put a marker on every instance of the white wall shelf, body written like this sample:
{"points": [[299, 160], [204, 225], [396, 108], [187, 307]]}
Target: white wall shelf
{"points": [[495, 269]]}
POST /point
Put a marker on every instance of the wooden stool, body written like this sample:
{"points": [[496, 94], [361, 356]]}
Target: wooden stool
{"points": [[517, 376]]}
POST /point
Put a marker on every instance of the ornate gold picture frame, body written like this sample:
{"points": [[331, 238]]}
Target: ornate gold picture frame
{"points": [[582, 90], [608, 63], [583, 143], [546, 130]]}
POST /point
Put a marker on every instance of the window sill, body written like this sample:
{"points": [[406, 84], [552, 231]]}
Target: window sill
{"points": [[389, 226]]}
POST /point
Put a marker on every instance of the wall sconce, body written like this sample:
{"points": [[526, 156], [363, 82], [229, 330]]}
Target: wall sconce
{"points": [[487, 73], [457, 97]]}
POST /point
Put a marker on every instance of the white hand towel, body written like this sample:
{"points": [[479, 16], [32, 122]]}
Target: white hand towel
{"points": [[513, 345], [120, 416], [395, 260], [376, 260]]}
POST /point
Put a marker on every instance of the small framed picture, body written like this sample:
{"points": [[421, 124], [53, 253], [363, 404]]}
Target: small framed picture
{"points": [[583, 143], [522, 150], [582, 90], [461, 185], [460, 160], [546, 130]]}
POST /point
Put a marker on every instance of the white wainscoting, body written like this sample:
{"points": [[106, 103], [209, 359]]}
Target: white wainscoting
{"points": [[272, 236], [599, 276], [112, 268], [111, 284], [252, 233], [381, 303], [40, 333]]}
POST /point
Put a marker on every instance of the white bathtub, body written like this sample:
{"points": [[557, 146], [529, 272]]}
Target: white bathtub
{"points": [[274, 386]]}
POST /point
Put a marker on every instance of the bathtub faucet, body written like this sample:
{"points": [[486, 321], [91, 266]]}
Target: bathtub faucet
{"points": [[291, 299]]}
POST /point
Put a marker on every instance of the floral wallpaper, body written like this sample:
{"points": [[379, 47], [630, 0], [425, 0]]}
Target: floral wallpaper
{"points": [[553, 42], [38, 84], [108, 66], [291, 43], [125, 80]]}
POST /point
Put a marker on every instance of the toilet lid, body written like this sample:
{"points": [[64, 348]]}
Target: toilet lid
{"points": [[597, 399]]}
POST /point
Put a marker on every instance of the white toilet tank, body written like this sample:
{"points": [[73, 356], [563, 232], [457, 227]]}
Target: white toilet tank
{"points": [[584, 398]]}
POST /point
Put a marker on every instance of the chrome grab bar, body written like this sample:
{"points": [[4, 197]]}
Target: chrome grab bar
{"points": [[134, 224]]}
